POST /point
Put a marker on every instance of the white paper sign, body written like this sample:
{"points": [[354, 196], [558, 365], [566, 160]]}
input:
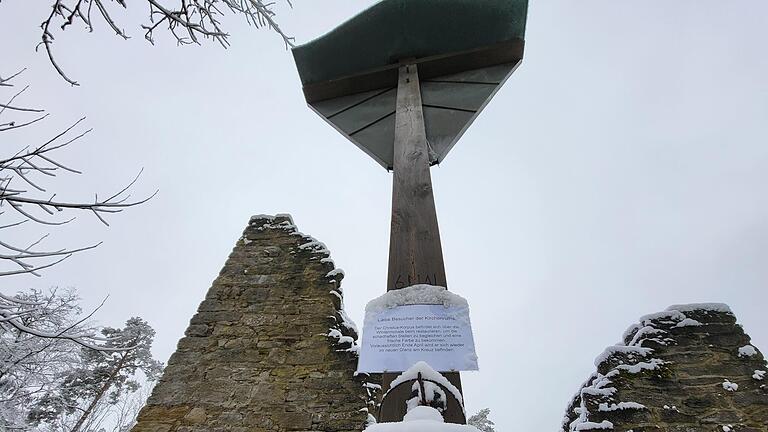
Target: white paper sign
{"points": [[395, 339]]}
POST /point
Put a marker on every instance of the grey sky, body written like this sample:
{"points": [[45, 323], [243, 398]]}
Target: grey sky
{"points": [[622, 169]]}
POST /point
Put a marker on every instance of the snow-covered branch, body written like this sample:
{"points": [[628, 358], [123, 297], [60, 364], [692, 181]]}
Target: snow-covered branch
{"points": [[46, 316], [59, 372], [30, 365]]}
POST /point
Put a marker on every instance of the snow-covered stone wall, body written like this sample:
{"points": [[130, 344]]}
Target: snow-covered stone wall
{"points": [[269, 349], [689, 368]]}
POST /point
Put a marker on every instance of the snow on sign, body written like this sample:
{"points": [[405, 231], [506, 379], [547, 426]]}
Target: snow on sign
{"points": [[418, 323]]}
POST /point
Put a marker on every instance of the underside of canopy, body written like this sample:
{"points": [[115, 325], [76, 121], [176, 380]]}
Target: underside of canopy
{"points": [[464, 51], [450, 103]]}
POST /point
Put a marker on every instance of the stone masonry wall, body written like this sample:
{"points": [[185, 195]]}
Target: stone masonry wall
{"points": [[688, 369], [269, 349]]}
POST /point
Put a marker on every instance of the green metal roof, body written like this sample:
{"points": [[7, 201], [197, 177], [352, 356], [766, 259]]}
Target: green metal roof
{"points": [[393, 30], [464, 51]]}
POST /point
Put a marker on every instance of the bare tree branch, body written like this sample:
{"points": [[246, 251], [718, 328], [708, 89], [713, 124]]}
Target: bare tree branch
{"points": [[188, 23], [12, 125], [31, 164], [4, 81], [5, 106], [47, 39]]}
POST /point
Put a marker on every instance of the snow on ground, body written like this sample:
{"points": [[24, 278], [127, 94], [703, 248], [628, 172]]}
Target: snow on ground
{"points": [[421, 419]]}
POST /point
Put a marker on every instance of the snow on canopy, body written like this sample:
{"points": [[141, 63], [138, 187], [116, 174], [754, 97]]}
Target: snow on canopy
{"points": [[421, 419]]}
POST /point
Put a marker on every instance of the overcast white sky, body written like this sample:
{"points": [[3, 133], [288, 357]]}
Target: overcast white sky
{"points": [[622, 169]]}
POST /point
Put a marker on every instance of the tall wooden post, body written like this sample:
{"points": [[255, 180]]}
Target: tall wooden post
{"points": [[415, 252], [349, 77]]}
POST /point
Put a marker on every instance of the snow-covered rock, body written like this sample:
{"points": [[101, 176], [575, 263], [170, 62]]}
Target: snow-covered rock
{"points": [[747, 351], [638, 381], [730, 386]]}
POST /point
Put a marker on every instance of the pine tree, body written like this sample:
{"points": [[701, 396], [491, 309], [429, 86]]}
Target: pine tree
{"points": [[101, 378], [481, 421]]}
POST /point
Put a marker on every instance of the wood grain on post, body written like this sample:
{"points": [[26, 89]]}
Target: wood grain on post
{"points": [[415, 252]]}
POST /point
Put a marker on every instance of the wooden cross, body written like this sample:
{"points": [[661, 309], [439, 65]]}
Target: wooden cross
{"points": [[415, 251]]}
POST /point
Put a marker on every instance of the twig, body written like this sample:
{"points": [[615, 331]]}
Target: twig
{"points": [[31, 164], [192, 21]]}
